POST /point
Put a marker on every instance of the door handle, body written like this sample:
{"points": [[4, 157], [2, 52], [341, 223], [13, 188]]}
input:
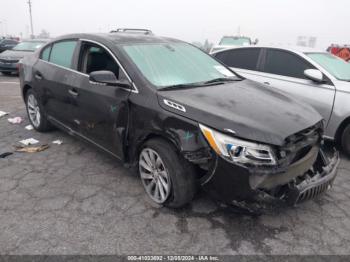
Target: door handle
{"points": [[267, 83], [73, 92], [38, 76]]}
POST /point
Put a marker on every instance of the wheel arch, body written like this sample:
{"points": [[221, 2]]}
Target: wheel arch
{"points": [[25, 89], [154, 135], [341, 128]]}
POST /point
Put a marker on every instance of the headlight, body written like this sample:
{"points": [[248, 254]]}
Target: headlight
{"points": [[237, 150]]}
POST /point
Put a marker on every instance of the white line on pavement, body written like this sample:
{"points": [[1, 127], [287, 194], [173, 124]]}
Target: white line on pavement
{"points": [[9, 82]]}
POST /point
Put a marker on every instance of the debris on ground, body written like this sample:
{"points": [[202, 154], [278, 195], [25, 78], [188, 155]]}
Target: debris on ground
{"points": [[15, 120], [31, 149], [2, 113], [29, 127], [6, 154], [29, 141], [57, 142]]}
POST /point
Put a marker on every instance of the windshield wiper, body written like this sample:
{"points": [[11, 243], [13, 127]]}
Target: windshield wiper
{"points": [[216, 81], [180, 86], [221, 79]]}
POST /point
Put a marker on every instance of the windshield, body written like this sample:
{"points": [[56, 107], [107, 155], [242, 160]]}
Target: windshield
{"points": [[175, 64], [239, 41], [334, 65], [28, 46]]}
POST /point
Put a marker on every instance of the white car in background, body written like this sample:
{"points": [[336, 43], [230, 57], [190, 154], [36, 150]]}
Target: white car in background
{"points": [[231, 42], [316, 77]]}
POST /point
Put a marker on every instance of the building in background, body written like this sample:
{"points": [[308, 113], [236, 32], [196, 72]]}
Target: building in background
{"points": [[308, 41]]}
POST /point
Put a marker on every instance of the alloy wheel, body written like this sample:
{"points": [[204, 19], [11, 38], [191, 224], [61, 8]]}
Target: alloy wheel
{"points": [[33, 110], [154, 175]]}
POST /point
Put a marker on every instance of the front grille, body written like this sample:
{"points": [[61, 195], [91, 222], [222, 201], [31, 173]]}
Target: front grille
{"points": [[9, 61], [299, 145], [313, 192]]}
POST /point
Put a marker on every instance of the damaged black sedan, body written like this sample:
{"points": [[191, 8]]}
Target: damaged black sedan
{"points": [[179, 116]]}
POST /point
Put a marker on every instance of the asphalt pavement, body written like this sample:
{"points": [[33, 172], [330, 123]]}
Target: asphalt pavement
{"points": [[74, 199]]}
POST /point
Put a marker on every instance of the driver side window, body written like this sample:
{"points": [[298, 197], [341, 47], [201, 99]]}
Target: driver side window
{"points": [[95, 58]]}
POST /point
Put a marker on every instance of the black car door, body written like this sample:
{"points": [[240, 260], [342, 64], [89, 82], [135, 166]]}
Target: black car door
{"points": [[54, 76], [100, 111]]}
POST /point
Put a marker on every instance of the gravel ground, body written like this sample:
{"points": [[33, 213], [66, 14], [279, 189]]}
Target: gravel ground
{"points": [[75, 199]]}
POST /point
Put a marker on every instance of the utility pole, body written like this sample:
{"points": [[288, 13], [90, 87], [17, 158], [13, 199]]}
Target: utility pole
{"points": [[31, 19]]}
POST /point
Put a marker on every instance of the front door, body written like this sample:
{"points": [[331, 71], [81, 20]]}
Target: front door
{"points": [[100, 111]]}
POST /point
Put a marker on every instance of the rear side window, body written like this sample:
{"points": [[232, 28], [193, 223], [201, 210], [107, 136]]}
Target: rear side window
{"points": [[240, 58], [283, 63], [62, 53], [45, 54]]}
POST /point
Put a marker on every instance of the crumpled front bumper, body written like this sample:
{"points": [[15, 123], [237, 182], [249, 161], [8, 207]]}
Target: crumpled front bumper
{"points": [[231, 183], [317, 185]]}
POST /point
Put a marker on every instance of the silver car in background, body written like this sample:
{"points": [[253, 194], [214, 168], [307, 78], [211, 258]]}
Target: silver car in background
{"points": [[316, 77]]}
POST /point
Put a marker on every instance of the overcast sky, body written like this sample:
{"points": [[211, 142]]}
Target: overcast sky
{"points": [[272, 21]]}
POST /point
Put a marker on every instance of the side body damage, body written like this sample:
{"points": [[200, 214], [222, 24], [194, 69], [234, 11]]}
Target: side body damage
{"points": [[241, 139]]}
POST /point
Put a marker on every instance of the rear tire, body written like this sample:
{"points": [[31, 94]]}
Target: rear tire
{"points": [[172, 168], [36, 113], [345, 140], [6, 73]]}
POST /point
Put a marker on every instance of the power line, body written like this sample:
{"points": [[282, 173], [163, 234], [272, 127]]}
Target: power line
{"points": [[31, 19]]}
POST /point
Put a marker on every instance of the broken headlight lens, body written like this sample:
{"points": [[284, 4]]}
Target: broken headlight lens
{"points": [[237, 150]]}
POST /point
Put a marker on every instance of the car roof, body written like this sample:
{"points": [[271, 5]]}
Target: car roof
{"points": [[122, 38], [295, 49]]}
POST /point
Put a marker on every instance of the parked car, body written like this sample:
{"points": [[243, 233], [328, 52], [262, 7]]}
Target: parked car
{"points": [[10, 58], [342, 51], [7, 44], [233, 41], [177, 115], [318, 78]]}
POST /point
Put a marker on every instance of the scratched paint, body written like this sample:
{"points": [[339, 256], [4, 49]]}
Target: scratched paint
{"points": [[188, 136], [113, 108]]}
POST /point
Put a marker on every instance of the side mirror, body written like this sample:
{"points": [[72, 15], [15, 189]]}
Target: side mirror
{"points": [[108, 78], [256, 41], [314, 75]]}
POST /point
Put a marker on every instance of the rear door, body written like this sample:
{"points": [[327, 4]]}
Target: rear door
{"points": [[54, 75], [284, 70], [100, 111], [244, 61]]}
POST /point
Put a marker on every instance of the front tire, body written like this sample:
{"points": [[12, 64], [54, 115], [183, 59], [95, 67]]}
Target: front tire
{"points": [[36, 113], [345, 140], [168, 179]]}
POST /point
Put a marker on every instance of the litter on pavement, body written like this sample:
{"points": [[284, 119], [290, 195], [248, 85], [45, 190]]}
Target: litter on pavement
{"points": [[29, 141], [6, 154], [15, 120], [29, 127], [57, 142], [2, 113], [31, 149]]}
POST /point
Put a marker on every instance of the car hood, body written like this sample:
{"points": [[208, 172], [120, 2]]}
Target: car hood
{"points": [[251, 110], [13, 54]]}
